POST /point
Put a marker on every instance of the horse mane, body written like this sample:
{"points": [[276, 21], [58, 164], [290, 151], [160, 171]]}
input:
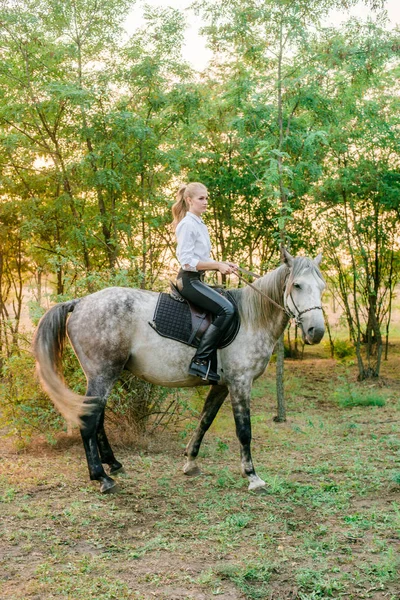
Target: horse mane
{"points": [[256, 310]]}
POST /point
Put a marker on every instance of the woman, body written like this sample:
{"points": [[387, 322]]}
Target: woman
{"points": [[193, 252]]}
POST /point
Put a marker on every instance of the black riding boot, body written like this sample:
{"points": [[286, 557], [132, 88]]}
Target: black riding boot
{"points": [[201, 361]]}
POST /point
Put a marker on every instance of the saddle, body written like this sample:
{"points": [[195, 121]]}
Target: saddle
{"points": [[178, 319]]}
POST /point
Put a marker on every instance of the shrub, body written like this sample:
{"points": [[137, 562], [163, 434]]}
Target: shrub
{"points": [[343, 349], [24, 408], [348, 396], [138, 406], [134, 406]]}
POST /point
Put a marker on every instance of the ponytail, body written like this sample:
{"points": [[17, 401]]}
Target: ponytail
{"points": [[180, 208]]}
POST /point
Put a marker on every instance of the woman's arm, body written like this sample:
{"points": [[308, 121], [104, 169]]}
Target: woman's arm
{"points": [[223, 267]]}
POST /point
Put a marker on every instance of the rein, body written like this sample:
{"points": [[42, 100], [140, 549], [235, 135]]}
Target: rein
{"points": [[287, 311]]}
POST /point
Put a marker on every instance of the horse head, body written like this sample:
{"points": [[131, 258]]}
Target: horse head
{"points": [[302, 296]]}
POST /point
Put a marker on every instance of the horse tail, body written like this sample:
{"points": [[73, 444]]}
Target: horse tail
{"points": [[48, 346]]}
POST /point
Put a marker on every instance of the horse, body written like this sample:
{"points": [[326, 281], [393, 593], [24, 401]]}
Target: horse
{"points": [[109, 331]]}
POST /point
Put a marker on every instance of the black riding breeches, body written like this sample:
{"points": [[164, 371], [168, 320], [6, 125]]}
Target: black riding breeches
{"points": [[192, 288]]}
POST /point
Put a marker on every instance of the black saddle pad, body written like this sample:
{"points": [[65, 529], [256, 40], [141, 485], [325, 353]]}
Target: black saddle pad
{"points": [[172, 319]]}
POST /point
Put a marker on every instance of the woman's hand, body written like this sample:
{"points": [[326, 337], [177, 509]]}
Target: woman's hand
{"points": [[227, 267]]}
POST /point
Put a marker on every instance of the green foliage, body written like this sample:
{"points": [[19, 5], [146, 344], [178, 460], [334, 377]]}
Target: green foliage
{"points": [[343, 349], [97, 280], [137, 406], [252, 579], [358, 191], [25, 410], [386, 569], [321, 585], [349, 396], [333, 509], [97, 130]]}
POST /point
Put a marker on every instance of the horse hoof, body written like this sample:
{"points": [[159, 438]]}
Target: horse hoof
{"points": [[256, 484], [191, 470], [260, 491], [108, 485], [115, 469]]}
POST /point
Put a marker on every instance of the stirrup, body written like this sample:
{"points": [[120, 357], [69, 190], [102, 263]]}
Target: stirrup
{"points": [[202, 368]]}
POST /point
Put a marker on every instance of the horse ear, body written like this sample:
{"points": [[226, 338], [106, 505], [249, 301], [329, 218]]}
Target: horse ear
{"points": [[286, 257], [318, 259]]}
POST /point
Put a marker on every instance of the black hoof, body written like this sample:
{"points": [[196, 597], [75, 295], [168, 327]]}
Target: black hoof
{"points": [[262, 491], [116, 468], [107, 485]]}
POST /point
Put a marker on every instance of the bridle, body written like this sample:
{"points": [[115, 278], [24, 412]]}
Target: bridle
{"points": [[297, 317], [290, 314]]}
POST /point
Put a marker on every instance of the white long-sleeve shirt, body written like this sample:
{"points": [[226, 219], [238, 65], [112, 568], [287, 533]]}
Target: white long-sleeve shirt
{"points": [[194, 244]]}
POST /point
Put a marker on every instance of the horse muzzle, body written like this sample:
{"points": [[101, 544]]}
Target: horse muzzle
{"points": [[313, 335]]}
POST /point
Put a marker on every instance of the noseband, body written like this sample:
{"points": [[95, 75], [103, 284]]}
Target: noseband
{"points": [[297, 317]]}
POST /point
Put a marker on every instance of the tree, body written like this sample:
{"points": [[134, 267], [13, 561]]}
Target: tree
{"points": [[87, 124], [265, 50], [359, 193]]}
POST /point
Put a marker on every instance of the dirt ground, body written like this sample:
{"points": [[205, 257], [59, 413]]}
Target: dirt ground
{"points": [[327, 525]]}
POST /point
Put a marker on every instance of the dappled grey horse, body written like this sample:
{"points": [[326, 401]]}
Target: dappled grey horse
{"points": [[109, 331]]}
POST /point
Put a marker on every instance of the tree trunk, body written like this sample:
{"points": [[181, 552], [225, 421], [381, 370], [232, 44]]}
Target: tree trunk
{"points": [[280, 348], [331, 344], [280, 391]]}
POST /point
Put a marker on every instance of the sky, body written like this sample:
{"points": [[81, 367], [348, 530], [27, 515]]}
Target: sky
{"points": [[195, 50]]}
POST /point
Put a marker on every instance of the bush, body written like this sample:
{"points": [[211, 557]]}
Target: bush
{"points": [[134, 406], [139, 406], [348, 396], [25, 409], [343, 349]]}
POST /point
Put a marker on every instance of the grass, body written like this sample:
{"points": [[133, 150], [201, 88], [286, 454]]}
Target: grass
{"points": [[327, 526], [251, 579], [349, 396]]}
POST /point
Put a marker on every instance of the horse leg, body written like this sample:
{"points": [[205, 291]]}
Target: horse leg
{"points": [[99, 389], [106, 452], [241, 412], [213, 403]]}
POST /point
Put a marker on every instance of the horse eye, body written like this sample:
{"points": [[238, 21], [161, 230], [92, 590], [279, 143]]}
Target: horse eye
{"points": [[297, 286]]}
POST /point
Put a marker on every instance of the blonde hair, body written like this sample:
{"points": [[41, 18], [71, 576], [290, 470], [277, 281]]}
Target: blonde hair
{"points": [[180, 208]]}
